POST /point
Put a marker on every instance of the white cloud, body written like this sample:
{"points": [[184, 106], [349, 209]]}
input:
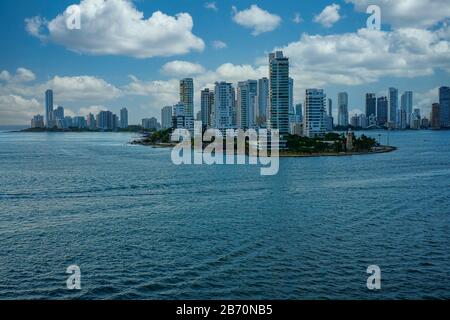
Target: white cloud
{"points": [[211, 6], [257, 19], [408, 13], [21, 75], [181, 68], [66, 88], [329, 16], [297, 18], [116, 27], [218, 44], [366, 56], [15, 109], [161, 93], [87, 88]]}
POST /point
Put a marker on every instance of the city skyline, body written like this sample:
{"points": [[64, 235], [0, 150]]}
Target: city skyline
{"points": [[144, 81]]}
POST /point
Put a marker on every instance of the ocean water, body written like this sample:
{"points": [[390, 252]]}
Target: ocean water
{"points": [[140, 227]]}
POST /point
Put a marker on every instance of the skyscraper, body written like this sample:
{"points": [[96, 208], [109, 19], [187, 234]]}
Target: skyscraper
{"points": [[106, 120], [206, 106], [435, 116], [343, 109], [246, 103], [48, 107], [166, 117], [124, 118], [406, 104], [330, 107], [393, 106], [37, 121], [187, 95], [90, 121], [314, 122], [263, 101], [224, 106], [278, 117], [382, 110], [58, 113], [299, 109], [444, 102], [371, 104]]}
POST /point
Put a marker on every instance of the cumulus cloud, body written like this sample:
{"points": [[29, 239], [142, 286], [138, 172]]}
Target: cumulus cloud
{"points": [[366, 56], [329, 16], [257, 19], [116, 27], [66, 88], [15, 109], [408, 13], [181, 68], [21, 75], [87, 88], [161, 93], [218, 44], [297, 18], [211, 6]]}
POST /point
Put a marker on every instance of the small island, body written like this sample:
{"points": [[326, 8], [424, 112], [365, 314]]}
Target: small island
{"points": [[332, 144]]}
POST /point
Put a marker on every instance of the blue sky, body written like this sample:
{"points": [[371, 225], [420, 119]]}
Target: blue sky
{"points": [[120, 58]]}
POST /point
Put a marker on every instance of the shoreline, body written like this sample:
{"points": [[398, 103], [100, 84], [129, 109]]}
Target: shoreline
{"points": [[289, 154], [381, 149]]}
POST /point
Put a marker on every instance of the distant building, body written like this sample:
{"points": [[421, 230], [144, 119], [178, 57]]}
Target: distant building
{"points": [[314, 122], [106, 120], [444, 102], [425, 123], [354, 121], [124, 118], [246, 104], [372, 121], [187, 95], [330, 113], [78, 122], [299, 111], [37, 121], [58, 113], [382, 111], [371, 105], [393, 107], [180, 120], [435, 116], [206, 106], [166, 117], [224, 106], [48, 107], [406, 103], [68, 122], [263, 101], [90, 122], [343, 109], [279, 98], [150, 124]]}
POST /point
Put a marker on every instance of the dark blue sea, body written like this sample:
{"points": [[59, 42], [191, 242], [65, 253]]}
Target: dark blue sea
{"points": [[140, 227]]}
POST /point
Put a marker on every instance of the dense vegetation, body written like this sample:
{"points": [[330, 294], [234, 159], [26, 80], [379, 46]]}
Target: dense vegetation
{"points": [[162, 136], [331, 143]]}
